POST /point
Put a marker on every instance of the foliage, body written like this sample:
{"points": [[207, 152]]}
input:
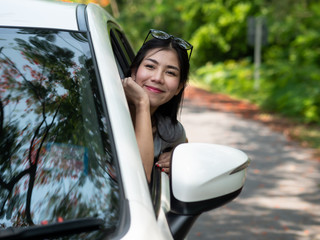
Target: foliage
{"points": [[290, 68], [218, 30], [281, 95], [221, 33], [293, 65], [138, 16]]}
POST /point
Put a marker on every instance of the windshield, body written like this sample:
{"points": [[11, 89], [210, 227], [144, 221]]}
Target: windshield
{"points": [[55, 148]]}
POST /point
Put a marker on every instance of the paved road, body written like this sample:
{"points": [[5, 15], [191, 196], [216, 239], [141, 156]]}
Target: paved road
{"points": [[281, 198]]}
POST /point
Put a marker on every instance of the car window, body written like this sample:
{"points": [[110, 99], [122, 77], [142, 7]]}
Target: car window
{"points": [[57, 162]]}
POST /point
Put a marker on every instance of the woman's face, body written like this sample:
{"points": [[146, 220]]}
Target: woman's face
{"points": [[159, 76]]}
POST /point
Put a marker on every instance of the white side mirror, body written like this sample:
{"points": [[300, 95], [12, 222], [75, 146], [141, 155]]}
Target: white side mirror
{"points": [[205, 176]]}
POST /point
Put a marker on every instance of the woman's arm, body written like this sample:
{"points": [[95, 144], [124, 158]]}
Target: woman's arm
{"points": [[164, 160], [139, 105]]}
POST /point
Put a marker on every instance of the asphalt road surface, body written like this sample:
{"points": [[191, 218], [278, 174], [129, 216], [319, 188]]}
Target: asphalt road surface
{"points": [[281, 197]]}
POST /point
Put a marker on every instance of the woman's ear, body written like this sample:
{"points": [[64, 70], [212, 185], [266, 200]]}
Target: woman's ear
{"points": [[181, 86], [133, 74]]}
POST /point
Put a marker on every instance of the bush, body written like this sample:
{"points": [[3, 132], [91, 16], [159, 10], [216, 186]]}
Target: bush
{"points": [[290, 90]]}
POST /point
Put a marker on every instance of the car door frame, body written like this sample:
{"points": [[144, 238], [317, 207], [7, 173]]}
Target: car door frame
{"points": [[124, 56]]}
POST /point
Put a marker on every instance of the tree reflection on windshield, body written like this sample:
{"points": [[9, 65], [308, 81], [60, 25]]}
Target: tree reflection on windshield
{"points": [[55, 150]]}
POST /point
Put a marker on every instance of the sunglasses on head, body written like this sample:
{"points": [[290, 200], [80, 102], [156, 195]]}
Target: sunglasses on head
{"points": [[165, 36]]}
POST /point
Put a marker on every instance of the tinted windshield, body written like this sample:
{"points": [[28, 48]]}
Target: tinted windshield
{"points": [[56, 159]]}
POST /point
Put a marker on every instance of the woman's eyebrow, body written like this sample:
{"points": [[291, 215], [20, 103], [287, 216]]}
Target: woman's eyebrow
{"points": [[168, 66], [152, 60], [173, 67]]}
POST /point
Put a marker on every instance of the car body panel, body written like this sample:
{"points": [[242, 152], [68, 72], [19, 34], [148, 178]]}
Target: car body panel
{"points": [[132, 172], [143, 224], [165, 206], [57, 16], [117, 107]]}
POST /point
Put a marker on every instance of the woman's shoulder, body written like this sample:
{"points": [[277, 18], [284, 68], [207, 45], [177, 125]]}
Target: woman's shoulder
{"points": [[170, 131]]}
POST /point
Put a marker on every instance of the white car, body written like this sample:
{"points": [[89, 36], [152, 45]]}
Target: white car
{"points": [[70, 165]]}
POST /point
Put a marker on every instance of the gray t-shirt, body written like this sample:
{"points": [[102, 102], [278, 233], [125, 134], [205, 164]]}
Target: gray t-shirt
{"points": [[171, 136]]}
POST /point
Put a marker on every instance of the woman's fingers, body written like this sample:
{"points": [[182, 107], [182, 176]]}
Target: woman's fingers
{"points": [[126, 81], [164, 159], [134, 92], [166, 170], [164, 162]]}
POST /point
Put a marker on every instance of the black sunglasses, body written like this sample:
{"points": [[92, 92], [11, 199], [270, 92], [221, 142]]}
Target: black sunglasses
{"points": [[166, 36]]}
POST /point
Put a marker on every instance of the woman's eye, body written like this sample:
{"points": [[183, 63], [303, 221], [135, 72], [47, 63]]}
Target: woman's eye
{"points": [[149, 66], [174, 74]]}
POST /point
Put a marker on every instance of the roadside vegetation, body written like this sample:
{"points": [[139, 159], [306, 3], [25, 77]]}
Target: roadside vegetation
{"points": [[223, 59]]}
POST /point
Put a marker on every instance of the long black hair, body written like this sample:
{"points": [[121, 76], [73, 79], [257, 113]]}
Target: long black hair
{"points": [[171, 108]]}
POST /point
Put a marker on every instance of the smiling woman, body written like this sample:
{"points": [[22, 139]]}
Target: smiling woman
{"points": [[159, 76], [154, 89]]}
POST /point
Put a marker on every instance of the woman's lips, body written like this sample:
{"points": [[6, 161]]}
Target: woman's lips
{"points": [[154, 89]]}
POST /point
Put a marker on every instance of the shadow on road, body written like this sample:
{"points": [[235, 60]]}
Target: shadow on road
{"points": [[281, 197]]}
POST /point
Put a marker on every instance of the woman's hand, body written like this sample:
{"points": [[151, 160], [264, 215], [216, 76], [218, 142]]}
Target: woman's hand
{"points": [[164, 161], [134, 93]]}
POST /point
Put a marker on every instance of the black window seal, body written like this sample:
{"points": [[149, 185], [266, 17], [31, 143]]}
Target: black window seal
{"points": [[120, 58], [155, 189], [121, 48]]}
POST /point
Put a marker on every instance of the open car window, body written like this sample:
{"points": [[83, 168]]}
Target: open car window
{"points": [[124, 56]]}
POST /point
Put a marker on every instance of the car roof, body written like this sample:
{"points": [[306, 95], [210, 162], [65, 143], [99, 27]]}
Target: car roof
{"points": [[39, 14]]}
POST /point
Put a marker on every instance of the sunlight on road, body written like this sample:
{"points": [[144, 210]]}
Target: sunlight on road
{"points": [[280, 200]]}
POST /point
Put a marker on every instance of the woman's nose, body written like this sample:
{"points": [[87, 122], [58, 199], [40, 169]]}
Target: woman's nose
{"points": [[158, 77]]}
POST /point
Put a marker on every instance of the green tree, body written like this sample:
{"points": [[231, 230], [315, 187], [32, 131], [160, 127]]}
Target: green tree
{"points": [[218, 29], [292, 61], [138, 16]]}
